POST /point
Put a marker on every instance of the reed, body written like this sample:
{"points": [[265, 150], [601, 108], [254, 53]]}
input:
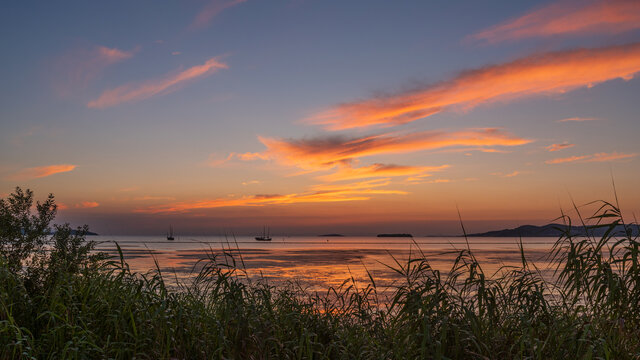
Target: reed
{"points": [[97, 308]]}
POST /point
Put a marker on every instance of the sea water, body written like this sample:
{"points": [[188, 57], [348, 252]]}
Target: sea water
{"points": [[319, 262]]}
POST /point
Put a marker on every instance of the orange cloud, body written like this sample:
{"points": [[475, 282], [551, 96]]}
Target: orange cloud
{"points": [[420, 179], [153, 198], [599, 157], [479, 149], [41, 171], [511, 174], [211, 10], [380, 170], [87, 205], [75, 69], [554, 72], [578, 119], [577, 17], [327, 152], [144, 90], [367, 184], [556, 147], [318, 194], [250, 182]]}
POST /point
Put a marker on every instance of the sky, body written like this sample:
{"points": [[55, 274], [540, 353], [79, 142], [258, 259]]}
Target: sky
{"points": [[356, 117]]}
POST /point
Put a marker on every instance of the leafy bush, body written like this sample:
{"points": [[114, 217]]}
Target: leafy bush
{"points": [[34, 251]]}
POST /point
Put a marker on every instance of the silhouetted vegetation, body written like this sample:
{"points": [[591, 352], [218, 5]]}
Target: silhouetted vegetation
{"points": [[58, 299]]}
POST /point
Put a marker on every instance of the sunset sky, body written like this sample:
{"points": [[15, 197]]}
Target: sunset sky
{"points": [[310, 117]]}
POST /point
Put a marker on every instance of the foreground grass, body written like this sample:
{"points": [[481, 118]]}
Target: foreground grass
{"points": [[100, 309]]}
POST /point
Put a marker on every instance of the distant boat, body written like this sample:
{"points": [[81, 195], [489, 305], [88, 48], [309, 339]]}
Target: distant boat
{"points": [[170, 233], [265, 235]]}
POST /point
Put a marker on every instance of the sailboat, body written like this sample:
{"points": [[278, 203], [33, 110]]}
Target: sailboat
{"points": [[170, 233], [265, 235]]}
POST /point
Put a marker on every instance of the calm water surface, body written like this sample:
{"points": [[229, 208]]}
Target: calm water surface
{"points": [[319, 262]]}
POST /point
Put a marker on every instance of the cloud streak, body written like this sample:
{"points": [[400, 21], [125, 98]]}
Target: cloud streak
{"points": [[319, 194], [380, 170], [144, 90], [578, 119], [599, 157], [40, 172], [87, 205], [538, 74], [508, 175], [210, 11], [565, 17], [556, 147], [324, 153], [77, 68]]}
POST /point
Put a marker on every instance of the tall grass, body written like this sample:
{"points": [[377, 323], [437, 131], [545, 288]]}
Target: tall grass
{"points": [[590, 310]]}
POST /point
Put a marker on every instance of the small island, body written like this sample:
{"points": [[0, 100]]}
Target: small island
{"points": [[395, 235], [332, 235]]}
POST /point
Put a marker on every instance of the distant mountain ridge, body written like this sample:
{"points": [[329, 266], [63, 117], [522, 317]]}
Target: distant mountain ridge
{"points": [[76, 232], [554, 230]]}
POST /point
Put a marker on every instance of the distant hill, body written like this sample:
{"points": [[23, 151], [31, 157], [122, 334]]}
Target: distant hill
{"points": [[394, 235], [553, 230]]}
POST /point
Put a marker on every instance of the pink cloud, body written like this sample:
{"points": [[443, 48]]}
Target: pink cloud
{"points": [[143, 90], [578, 119], [599, 157], [538, 74], [40, 171], [556, 147], [211, 10], [568, 17], [76, 69], [87, 205]]}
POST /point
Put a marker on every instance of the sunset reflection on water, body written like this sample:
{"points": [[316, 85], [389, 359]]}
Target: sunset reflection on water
{"points": [[318, 263]]}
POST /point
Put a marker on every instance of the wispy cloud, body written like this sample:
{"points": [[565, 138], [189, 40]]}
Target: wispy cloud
{"points": [[578, 119], [567, 17], [556, 147], [250, 182], [599, 157], [323, 153], [129, 189], [153, 198], [144, 90], [40, 171], [423, 179], [554, 72], [380, 170], [318, 194], [87, 205], [77, 68], [472, 149], [507, 175], [210, 11]]}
